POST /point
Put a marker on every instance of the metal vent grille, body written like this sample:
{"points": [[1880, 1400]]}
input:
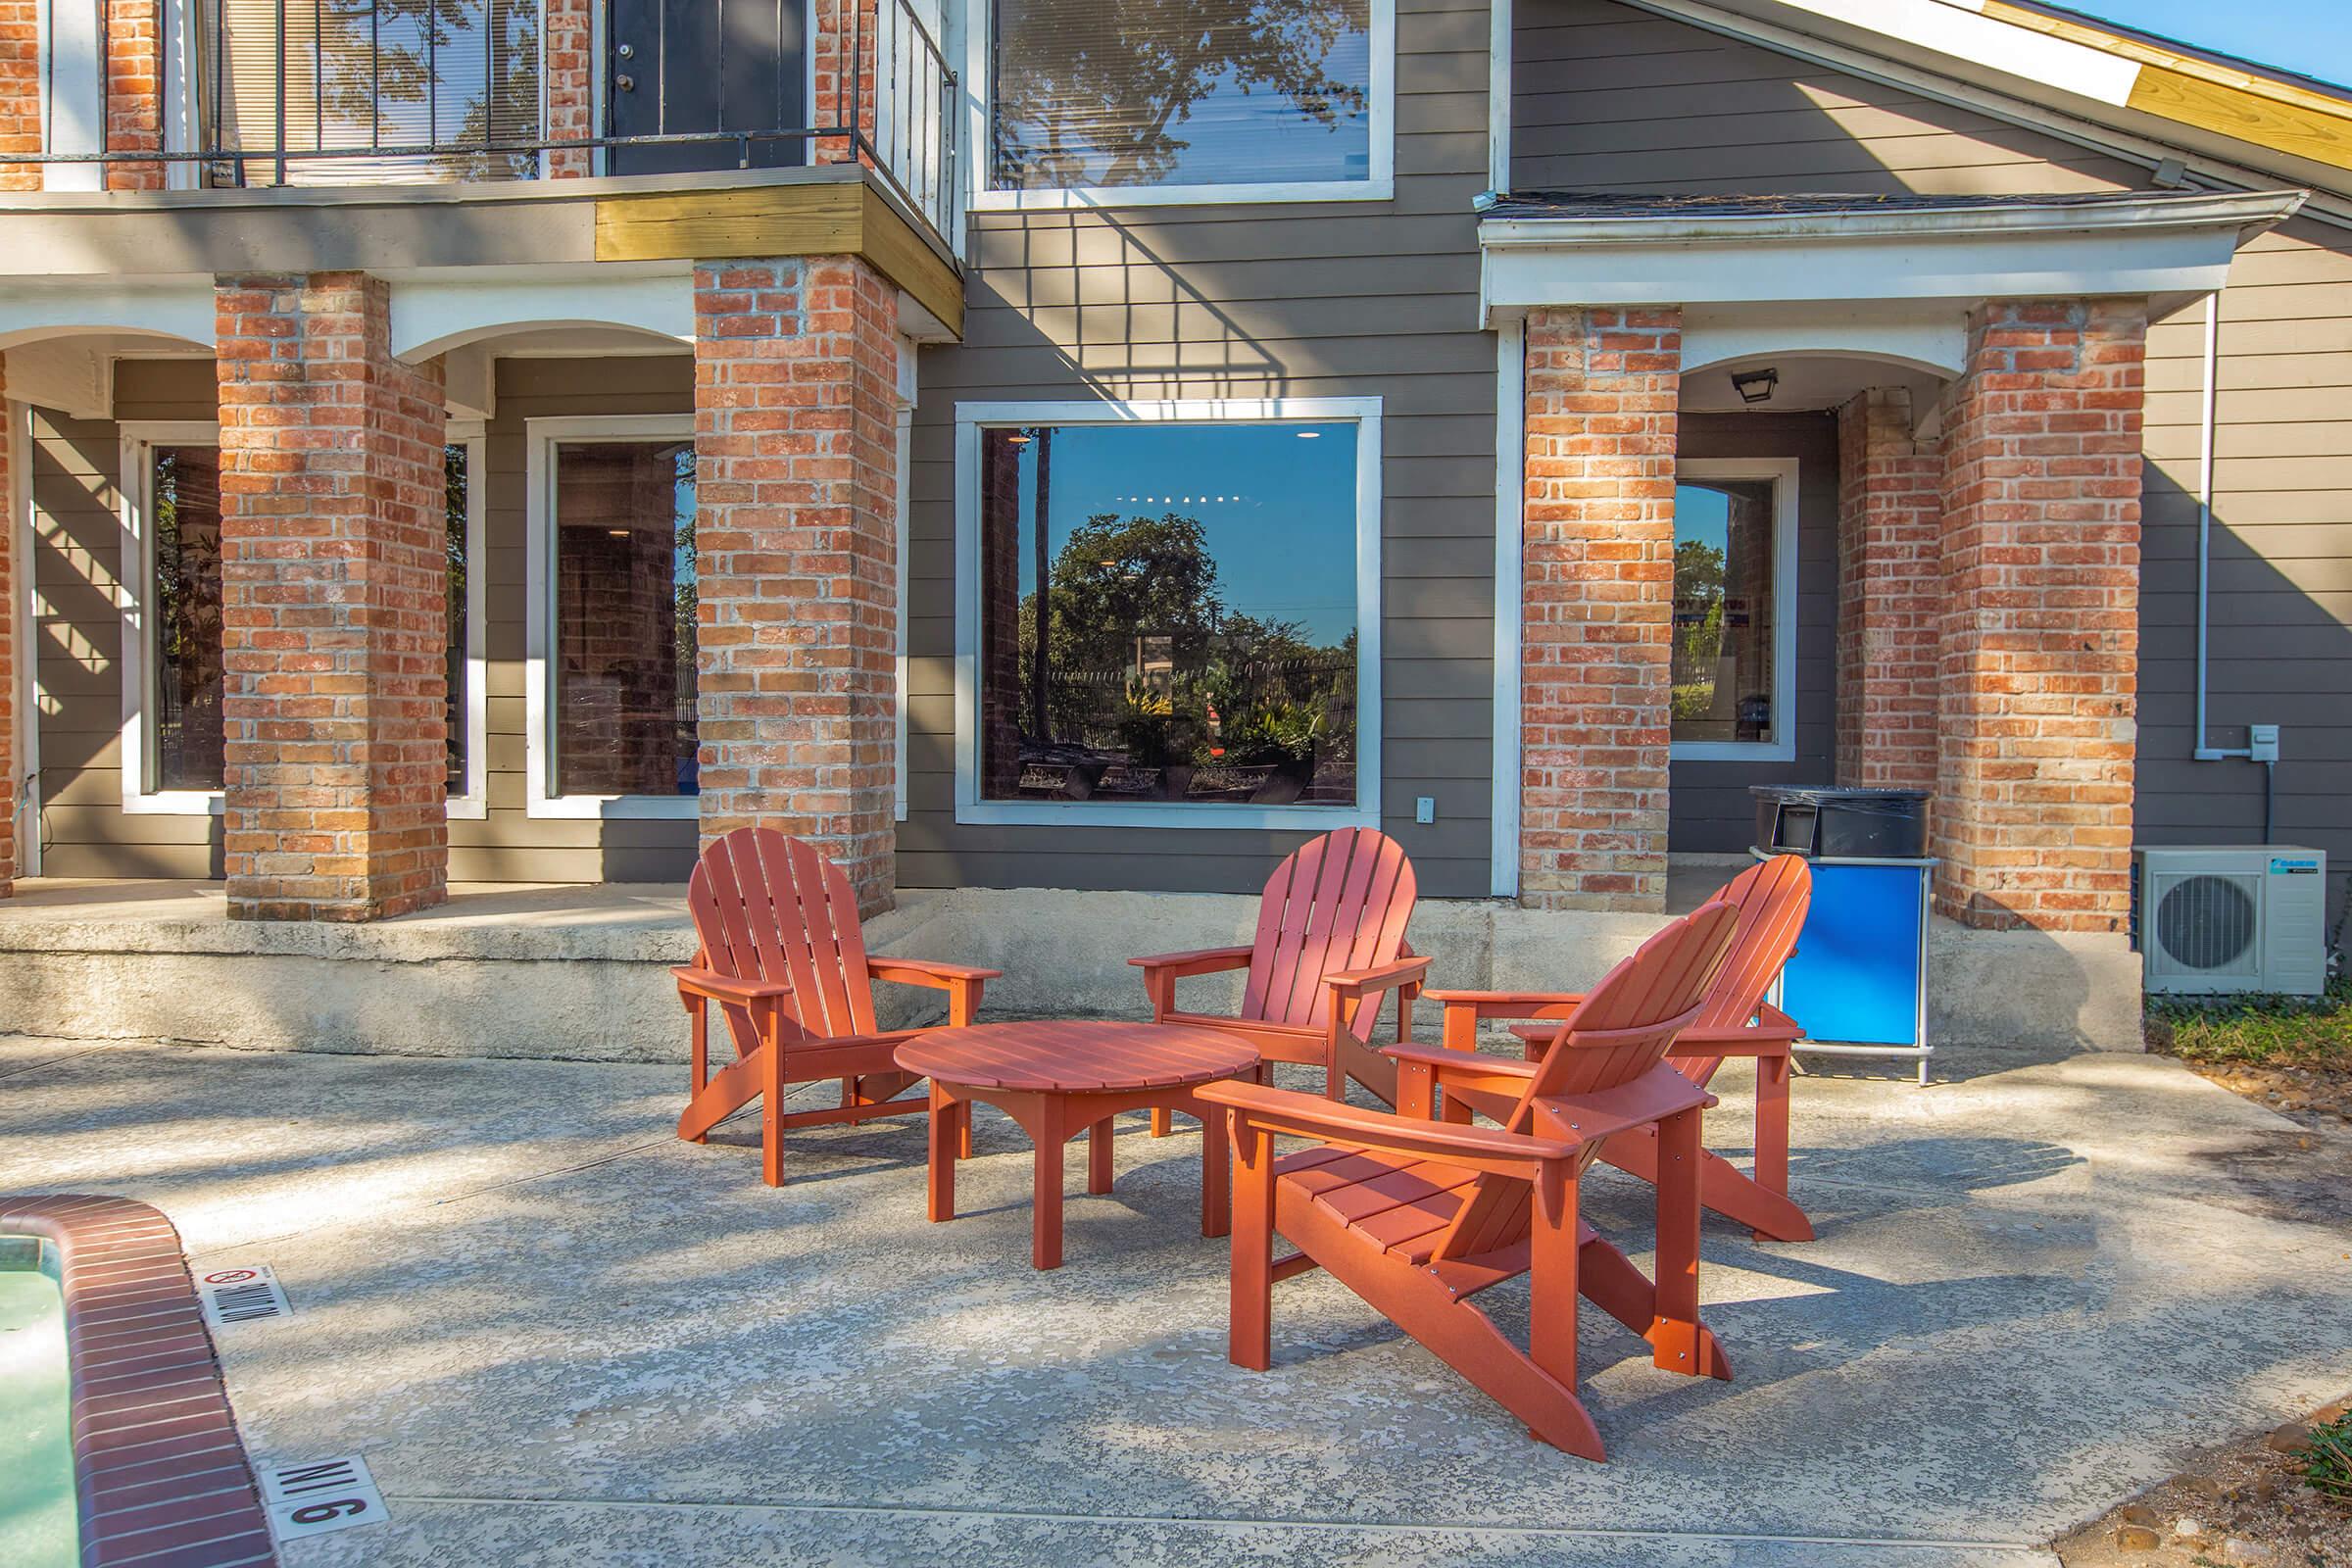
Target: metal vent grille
{"points": [[2207, 923]]}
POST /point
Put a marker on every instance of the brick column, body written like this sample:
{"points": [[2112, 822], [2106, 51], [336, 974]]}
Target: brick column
{"points": [[134, 91], [20, 91], [570, 66], [334, 603], [1597, 607], [12, 759], [1889, 593], [796, 377], [2041, 643], [844, 35]]}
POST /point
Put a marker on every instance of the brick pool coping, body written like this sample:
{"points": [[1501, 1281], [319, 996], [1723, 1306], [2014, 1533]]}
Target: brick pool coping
{"points": [[161, 1474]]}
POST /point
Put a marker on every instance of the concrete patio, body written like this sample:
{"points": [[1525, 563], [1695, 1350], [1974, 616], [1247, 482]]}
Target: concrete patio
{"points": [[560, 1336]]}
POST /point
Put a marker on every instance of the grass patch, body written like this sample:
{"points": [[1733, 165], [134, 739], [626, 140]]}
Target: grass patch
{"points": [[2262, 1030]]}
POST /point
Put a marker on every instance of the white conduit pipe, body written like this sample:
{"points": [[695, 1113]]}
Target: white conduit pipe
{"points": [[2205, 421]]}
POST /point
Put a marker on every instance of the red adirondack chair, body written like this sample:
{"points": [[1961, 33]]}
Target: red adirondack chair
{"points": [[1329, 943], [1772, 897], [785, 960], [1416, 1215]]}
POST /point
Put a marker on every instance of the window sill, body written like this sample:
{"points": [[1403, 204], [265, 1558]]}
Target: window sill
{"points": [[467, 808], [1085, 813], [1732, 752], [1111, 198], [617, 808], [174, 803]]}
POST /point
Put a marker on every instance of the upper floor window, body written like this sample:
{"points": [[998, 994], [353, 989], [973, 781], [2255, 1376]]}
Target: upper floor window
{"points": [[1188, 99], [390, 90]]}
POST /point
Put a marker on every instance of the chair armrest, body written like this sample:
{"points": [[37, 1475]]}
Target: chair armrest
{"points": [[1770, 1034], [1511, 1003], [1352, 984], [926, 972], [1463, 1066], [715, 987], [1287, 1111], [1201, 960]]}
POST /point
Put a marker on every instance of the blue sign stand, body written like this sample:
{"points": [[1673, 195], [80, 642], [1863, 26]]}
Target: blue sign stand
{"points": [[1859, 980]]}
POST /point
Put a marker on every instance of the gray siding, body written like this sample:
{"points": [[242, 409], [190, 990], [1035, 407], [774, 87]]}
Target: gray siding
{"points": [[1342, 300], [2282, 581], [1710, 811], [1605, 97]]}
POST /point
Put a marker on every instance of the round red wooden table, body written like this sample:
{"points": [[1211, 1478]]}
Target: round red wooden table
{"points": [[1054, 1077]]}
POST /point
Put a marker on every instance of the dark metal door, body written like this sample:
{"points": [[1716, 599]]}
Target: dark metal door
{"points": [[697, 67]]}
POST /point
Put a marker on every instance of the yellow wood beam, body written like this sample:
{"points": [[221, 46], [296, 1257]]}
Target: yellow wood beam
{"points": [[2210, 94], [812, 218]]}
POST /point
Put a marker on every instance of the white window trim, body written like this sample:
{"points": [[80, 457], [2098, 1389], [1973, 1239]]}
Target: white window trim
{"points": [[1379, 186], [972, 418], [539, 681], [134, 587], [1781, 472], [473, 803]]}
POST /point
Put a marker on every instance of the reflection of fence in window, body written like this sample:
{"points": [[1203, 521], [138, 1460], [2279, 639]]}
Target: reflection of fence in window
{"points": [[1265, 731]]}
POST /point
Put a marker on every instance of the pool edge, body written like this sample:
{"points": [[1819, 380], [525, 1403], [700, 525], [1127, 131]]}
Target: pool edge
{"points": [[161, 1474]]}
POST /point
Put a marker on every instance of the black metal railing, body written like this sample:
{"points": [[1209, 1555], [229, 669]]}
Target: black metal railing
{"points": [[325, 93]]}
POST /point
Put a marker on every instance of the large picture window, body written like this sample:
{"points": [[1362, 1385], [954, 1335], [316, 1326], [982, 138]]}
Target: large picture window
{"points": [[1213, 98], [612, 729], [1734, 581], [1171, 617]]}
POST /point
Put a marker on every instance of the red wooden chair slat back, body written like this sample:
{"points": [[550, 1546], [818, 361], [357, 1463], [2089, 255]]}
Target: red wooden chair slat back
{"points": [[1339, 901], [1772, 896], [1621, 1030], [773, 908]]}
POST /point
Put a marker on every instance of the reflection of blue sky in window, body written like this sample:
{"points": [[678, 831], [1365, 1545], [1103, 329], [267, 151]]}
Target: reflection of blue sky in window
{"points": [[1276, 501], [1702, 514]]}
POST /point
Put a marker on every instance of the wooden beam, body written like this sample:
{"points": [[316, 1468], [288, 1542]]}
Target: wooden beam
{"points": [[2249, 117], [833, 216]]}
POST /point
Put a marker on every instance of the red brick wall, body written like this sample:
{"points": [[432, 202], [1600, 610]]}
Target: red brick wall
{"points": [[1889, 593], [2040, 640], [570, 83], [11, 762], [20, 91], [843, 29], [1597, 607], [796, 374], [334, 603], [134, 91]]}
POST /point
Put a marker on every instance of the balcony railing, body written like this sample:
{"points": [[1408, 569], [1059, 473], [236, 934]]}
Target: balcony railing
{"points": [[344, 92]]}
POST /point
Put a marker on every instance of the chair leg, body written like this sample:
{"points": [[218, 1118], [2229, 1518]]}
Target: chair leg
{"points": [[1681, 1343], [1251, 1340], [1552, 1275], [1723, 1187], [771, 1116], [699, 1031]]}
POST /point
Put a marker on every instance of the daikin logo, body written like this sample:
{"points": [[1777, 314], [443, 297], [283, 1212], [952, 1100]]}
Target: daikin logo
{"points": [[2280, 865]]}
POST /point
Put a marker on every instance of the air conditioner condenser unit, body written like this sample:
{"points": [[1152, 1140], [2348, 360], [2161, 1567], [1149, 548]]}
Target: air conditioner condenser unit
{"points": [[2224, 919]]}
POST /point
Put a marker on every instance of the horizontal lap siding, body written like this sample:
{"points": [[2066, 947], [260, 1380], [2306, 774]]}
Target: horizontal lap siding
{"points": [[1609, 98], [77, 561], [507, 845], [2281, 578], [1336, 300]]}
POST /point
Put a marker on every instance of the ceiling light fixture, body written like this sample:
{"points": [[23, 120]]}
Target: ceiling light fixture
{"points": [[1755, 387]]}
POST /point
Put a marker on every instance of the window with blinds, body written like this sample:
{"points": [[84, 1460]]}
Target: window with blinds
{"points": [[1179, 92], [401, 91]]}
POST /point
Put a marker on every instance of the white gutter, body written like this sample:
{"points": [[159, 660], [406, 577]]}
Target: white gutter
{"points": [[2205, 430]]}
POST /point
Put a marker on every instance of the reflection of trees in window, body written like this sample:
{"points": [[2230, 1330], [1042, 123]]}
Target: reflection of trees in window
{"points": [[184, 510], [1144, 92], [1723, 613], [1152, 687], [458, 76], [1698, 625]]}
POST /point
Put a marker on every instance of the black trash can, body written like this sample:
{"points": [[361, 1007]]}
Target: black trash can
{"points": [[1852, 824]]}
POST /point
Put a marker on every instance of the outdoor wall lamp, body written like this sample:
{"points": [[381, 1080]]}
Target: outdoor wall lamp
{"points": [[1755, 387]]}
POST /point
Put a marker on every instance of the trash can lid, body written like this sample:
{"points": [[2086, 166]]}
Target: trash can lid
{"points": [[1826, 795]]}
